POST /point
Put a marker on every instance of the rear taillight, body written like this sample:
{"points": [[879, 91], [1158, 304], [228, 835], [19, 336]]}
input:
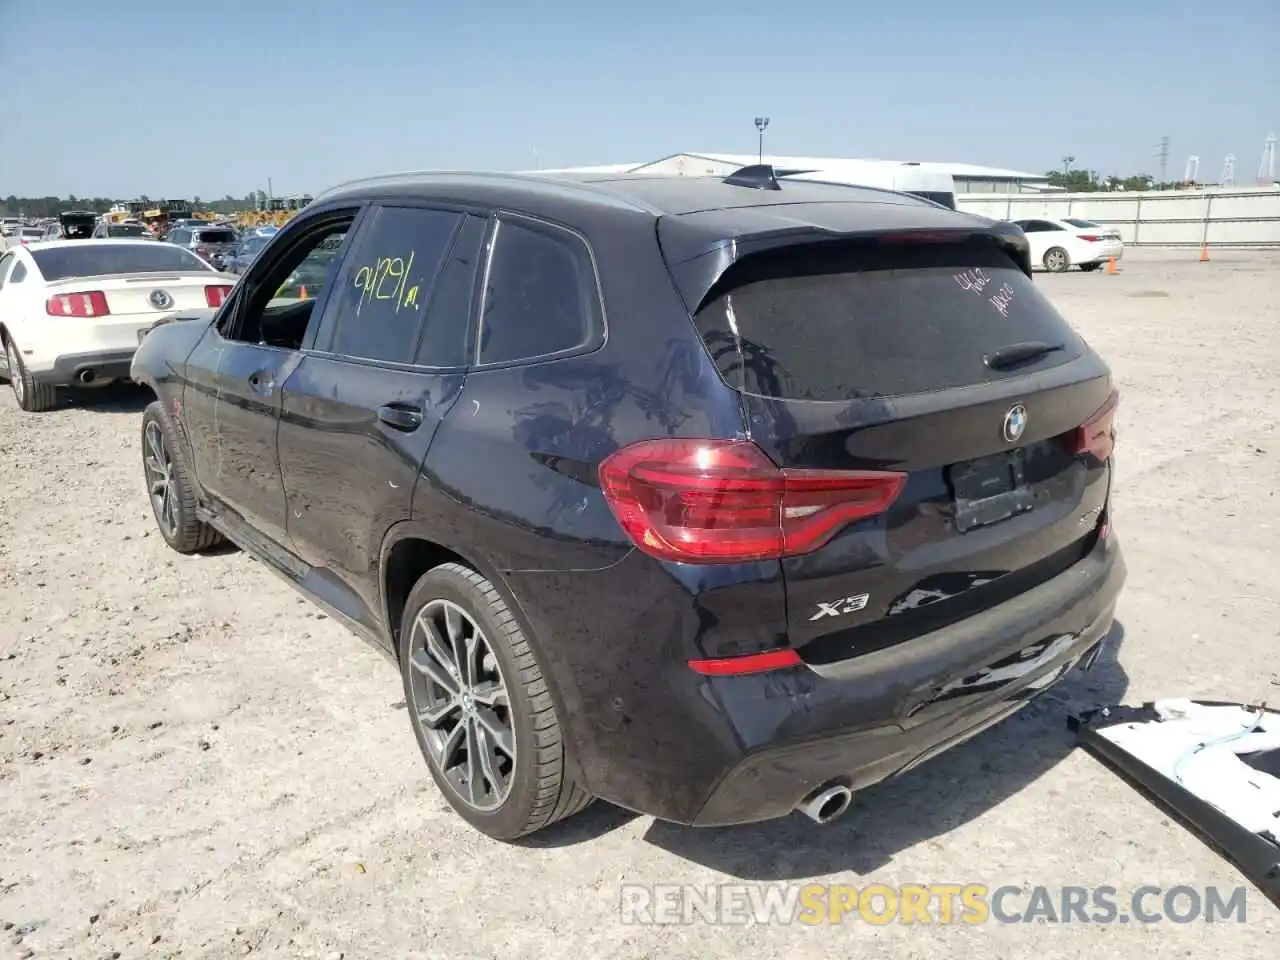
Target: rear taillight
{"points": [[1096, 437], [725, 501], [215, 295], [1091, 238], [93, 304]]}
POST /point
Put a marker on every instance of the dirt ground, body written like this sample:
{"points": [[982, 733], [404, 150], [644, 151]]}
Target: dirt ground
{"points": [[195, 763]]}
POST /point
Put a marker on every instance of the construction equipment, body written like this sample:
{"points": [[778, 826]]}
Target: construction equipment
{"points": [[272, 211]]}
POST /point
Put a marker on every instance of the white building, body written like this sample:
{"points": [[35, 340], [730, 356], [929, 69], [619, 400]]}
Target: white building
{"points": [[966, 177]]}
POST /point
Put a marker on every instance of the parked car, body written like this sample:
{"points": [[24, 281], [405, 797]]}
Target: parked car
{"points": [[120, 231], [714, 499], [72, 313], [214, 245], [1059, 245], [245, 253]]}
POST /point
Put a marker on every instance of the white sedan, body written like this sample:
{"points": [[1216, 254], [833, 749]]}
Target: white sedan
{"points": [[1059, 245], [72, 312]]}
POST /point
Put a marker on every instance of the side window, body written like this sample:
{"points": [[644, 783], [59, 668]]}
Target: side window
{"points": [[444, 341], [540, 296], [19, 272], [275, 305], [387, 284], [5, 263]]}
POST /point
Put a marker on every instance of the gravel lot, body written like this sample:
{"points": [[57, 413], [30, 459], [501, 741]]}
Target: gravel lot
{"points": [[195, 763]]}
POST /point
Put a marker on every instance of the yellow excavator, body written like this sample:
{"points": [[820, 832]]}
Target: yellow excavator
{"points": [[273, 212]]}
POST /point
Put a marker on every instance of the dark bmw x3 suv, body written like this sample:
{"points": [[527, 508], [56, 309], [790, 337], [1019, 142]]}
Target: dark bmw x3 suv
{"points": [[713, 499]]}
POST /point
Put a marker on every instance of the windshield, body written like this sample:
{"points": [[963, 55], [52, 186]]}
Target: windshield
{"points": [[107, 259], [1077, 222]]}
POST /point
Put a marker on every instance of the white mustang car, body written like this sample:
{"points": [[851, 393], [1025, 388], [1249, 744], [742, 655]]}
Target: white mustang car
{"points": [[72, 312]]}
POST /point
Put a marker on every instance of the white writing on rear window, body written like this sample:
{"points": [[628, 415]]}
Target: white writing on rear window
{"points": [[973, 280], [1002, 298]]}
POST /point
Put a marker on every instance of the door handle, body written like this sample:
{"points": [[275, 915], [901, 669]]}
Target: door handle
{"points": [[400, 416]]}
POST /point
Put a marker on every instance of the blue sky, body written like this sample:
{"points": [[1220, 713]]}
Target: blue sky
{"points": [[310, 94]]}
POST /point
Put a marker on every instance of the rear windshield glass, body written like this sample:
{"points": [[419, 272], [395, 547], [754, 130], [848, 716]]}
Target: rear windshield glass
{"points": [[125, 230], [32, 232], [875, 320], [104, 259], [215, 236], [1076, 222]]}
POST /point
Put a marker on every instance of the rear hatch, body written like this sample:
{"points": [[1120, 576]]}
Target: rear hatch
{"points": [[930, 363]]}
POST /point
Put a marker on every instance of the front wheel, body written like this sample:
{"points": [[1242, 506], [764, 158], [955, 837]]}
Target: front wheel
{"points": [[169, 486], [480, 708], [1056, 260]]}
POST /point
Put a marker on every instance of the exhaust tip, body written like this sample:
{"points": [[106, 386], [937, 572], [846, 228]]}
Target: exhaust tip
{"points": [[85, 376], [827, 803]]}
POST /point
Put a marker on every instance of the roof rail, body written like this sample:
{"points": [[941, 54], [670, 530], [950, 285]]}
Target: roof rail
{"points": [[758, 176]]}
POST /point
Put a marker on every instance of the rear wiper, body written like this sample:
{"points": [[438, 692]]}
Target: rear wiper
{"points": [[1015, 353]]}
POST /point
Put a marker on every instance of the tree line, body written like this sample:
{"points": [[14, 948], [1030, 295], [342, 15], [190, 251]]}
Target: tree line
{"points": [[12, 206]]}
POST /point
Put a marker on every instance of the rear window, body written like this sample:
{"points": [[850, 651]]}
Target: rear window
{"points": [[215, 236], [947, 200], [104, 259], [1077, 222], [875, 320], [125, 230], [32, 232]]}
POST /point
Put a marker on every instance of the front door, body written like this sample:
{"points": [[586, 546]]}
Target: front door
{"points": [[232, 399], [361, 409]]}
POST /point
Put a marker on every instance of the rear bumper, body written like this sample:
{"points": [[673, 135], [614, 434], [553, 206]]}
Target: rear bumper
{"points": [[102, 366], [1105, 251], [650, 735]]}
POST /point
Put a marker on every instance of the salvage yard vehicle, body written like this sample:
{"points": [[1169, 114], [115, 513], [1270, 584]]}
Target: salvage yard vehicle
{"points": [[72, 313], [1059, 245], [715, 499]]}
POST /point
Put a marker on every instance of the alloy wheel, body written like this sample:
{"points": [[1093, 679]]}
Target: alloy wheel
{"points": [[459, 700], [1055, 260], [159, 469], [15, 371]]}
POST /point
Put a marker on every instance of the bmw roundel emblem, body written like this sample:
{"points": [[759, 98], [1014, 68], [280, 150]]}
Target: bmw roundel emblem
{"points": [[1015, 422], [160, 299]]}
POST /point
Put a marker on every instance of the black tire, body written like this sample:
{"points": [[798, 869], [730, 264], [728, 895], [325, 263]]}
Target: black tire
{"points": [[32, 396], [1057, 260], [543, 789], [183, 531]]}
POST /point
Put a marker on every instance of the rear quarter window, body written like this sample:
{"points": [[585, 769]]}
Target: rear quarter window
{"points": [[541, 297], [876, 320]]}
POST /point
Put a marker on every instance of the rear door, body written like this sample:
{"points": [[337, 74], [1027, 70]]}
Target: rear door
{"points": [[937, 362], [360, 411]]}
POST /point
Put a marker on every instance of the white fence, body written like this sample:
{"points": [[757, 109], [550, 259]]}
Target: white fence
{"points": [[1171, 218]]}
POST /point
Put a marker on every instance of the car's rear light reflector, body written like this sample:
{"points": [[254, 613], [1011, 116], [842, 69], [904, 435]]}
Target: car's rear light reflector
{"points": [[1091, 238], [216, 294], [725, 501], [1096, 437], [91, 304], [749, 663]]}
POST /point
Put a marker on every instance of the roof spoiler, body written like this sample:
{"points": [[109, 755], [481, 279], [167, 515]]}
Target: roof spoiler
{"points": [[758, 176]]}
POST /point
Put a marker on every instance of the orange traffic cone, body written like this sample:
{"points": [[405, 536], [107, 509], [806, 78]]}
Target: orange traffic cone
{"points": [[1111, 266], [302, 292], [1204, 253]]}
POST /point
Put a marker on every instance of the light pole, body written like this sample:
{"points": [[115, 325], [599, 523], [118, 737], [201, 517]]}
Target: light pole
{"points": [[1067, 161], [762, 124]]}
